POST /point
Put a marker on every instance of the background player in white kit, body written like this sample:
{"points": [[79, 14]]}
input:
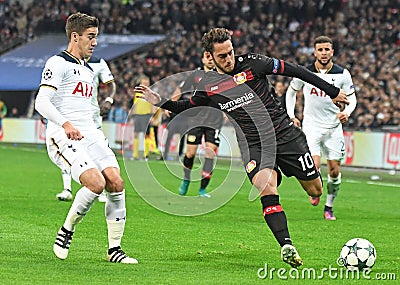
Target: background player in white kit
{"points": [[73, 139], [102, 74], [322, 120]]}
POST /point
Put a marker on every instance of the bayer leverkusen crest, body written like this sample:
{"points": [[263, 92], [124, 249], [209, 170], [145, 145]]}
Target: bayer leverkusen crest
{"points": [[250, 166], [240, 78], [243, 76]]}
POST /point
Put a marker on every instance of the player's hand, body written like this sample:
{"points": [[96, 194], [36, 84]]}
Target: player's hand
{"points": [[341, 97], [167, 113], [105, 108], [148, 94], [296, 122], [343, 117], [72, 132]]}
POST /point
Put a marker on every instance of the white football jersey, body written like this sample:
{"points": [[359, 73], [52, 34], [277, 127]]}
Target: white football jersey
{"points": [[73, 81], [319, 109], [102, 73]]}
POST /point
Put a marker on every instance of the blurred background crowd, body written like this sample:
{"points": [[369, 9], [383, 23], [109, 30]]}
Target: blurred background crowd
{"points": [[366, 35]]}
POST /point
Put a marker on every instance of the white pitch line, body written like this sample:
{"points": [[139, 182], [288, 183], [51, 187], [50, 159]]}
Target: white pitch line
{"points": [[383, 184], [352, 181]]}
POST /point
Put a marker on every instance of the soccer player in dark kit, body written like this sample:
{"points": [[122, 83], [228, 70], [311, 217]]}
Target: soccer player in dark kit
{"points": [[268, 139], [207, 124]]}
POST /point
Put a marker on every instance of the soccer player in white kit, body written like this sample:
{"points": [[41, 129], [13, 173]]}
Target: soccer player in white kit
{"points": [[322, 120], [73, 139], [102, 74]]}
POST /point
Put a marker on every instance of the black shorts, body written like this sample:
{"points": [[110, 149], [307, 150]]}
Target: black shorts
{"points": [[141, 123], [210, 135], [293, 158]]}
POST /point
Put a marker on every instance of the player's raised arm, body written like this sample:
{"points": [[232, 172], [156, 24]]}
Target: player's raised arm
{"points": [[294, 70], [173, 106]]}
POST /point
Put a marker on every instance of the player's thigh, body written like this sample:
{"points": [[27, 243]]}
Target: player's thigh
{"points": [[191, 150], [212, 136], [294, 159], [100, 152], [314, 137], [334, 147]]}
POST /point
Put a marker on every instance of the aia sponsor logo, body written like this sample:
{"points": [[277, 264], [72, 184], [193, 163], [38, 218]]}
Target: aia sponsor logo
{"points": [[349, 147], [83, 89], [317, 92], [391, 151]]}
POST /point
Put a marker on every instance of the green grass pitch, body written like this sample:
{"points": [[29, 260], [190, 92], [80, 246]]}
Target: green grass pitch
{"points": [[226, 246]]}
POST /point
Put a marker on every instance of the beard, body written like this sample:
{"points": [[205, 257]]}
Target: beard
{"points": [[325, 63], [224, 70]]}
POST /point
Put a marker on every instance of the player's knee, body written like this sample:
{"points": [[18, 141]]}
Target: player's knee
{"points": [[315, 192], [265, 187], [334, 172], [115, 184], [96, 185], [314, 189]]}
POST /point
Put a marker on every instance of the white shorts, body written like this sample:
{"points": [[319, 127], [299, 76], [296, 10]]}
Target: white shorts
{"points": [[329, 142], [90, 152]]}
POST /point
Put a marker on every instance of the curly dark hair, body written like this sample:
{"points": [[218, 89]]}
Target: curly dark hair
{"points": [[215, 35]]}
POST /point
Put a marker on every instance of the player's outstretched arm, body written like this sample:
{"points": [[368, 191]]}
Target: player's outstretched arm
{"points": [[299, 71], [149, 95], [173, 106]]}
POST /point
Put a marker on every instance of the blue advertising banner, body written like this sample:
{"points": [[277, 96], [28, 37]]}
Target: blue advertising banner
{"points": [[21, 68]]}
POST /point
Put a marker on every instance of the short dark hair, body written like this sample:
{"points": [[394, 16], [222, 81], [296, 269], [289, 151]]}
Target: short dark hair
{"points": [[215, 35], [79, 22], [322, 40]]}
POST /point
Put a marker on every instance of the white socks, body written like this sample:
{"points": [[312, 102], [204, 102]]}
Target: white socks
{"points": [[83, 201], [66, 177], [115, 213], [333, 188]]}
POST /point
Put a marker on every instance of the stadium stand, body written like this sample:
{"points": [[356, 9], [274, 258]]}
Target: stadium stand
{"points": [[366, 35]]}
